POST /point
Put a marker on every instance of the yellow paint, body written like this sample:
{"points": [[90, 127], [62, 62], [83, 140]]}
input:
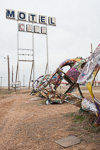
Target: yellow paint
{"points": [[96, 114], [89, 86], [77, 59]]}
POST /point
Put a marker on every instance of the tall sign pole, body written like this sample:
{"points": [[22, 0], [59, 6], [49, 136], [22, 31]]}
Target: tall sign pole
{"points": [[47, 53], [17, 54], [33, 57], [23, 80]]}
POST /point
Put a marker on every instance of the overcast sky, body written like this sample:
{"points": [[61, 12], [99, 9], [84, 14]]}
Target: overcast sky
{"points": [[77, 26]]}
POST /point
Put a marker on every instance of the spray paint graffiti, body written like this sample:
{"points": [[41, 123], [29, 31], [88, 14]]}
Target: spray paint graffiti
{"points": [[81, 71]]}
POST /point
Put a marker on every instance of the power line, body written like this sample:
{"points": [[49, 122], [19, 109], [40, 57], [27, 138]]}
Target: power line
{"points": [[2, 56], [2, 63]]}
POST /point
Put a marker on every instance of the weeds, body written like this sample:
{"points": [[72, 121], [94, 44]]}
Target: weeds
{"points": [[93, 129], [42, 102], [69, 115], [78, 118]]}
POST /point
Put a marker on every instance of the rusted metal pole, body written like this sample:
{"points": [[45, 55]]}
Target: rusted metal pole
{"points": [[8, 73]]}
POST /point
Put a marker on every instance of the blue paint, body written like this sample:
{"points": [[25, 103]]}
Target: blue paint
{"points": [[32, 17], [52, 21], [97, 106], [42, 19], [10, 14], [22, 15]]}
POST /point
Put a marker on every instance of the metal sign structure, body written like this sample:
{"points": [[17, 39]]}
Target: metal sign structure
{"points": [[30, 28]]}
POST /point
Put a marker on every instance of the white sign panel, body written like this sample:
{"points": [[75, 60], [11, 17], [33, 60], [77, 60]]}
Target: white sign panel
{"points": [[32, 18], [36, 29], [21, 16], [52, 21], [10, 14], [29, 28], [43, 30], [21, 27], [42, 19]]}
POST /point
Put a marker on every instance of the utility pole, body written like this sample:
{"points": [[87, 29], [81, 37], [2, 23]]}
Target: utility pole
{"points": [[12, 75], [91, 49], [8, 73], [1, 81]]}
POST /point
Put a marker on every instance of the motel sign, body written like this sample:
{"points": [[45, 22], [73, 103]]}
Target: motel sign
{"points": [[35, 24], [32, 18]]}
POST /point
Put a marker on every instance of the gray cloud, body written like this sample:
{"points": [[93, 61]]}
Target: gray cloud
{"points": [[77, 27]]}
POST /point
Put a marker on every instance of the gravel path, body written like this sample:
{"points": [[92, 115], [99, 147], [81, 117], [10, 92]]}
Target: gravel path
{"points": [[31, 125]]}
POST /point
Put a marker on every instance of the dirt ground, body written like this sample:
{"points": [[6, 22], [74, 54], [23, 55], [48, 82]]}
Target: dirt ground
{"points": [[32, 125]]}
